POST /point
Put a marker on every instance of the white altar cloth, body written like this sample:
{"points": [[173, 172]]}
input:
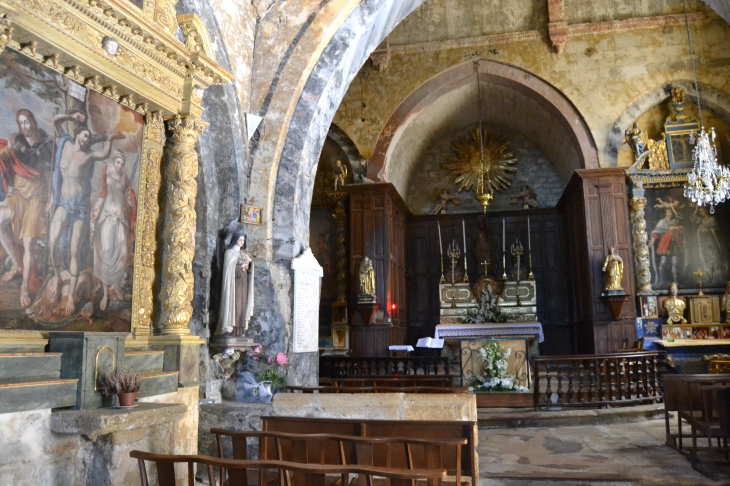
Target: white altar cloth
{"points": [[445, 331]]}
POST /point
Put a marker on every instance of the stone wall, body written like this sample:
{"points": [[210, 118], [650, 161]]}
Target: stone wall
{"points": [[41, 447]]}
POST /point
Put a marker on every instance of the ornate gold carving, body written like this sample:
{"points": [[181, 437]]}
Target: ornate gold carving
{"points": [[657, 157], [177, 287], [641, 245], [341, 232], [74, 72], [94, 82], [6, 32], [195, 34], [156, 126], [111, 92], [52, 62], [466, 164]]}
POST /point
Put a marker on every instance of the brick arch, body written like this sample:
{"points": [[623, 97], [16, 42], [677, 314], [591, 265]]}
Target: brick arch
{"points": [[526, 83]]}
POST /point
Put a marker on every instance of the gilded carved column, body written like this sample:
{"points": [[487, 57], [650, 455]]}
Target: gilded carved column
{"points": [[147, 227], [641, 247], [179, 234], [341, 232]]}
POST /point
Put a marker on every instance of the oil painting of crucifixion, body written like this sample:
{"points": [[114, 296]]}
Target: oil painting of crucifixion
{"points": [[69, 175]]}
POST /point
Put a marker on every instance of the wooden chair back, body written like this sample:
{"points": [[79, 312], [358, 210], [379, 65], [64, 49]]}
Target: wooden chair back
{"points": [[289, 473], [392, 452]]}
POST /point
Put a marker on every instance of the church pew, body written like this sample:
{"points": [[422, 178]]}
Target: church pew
{"points": [[377, 389], [399, 452], [420, 429], [288, 473]]}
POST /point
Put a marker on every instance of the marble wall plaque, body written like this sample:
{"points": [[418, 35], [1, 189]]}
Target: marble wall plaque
{"points": [[307, 285]]}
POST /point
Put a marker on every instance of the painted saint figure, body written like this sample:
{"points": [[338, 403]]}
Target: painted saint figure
{"points": [[113, 225], [613, 266], [236, 307], [71, 205], [26, 166], [708, 244], [667, 241]]}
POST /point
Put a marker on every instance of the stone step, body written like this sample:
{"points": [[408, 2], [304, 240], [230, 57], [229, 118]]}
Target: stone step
{"points": [[144, 361], [20, 397], [158, 383], [29, 367], [543, 481]]}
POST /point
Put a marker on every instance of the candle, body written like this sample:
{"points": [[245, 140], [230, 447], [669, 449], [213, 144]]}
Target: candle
{"points": [[463, 231], [504, 247], [529, 241], [441, 245]]}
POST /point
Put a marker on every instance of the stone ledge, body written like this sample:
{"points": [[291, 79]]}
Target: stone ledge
{"points": [[103, 421]]}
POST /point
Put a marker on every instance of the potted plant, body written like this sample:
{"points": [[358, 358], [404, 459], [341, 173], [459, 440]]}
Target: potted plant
{"points": [[123, 383]]}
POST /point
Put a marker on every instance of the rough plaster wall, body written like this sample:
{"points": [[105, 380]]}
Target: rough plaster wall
{"points": [[452, 19], [533, 168], [600, 73], [580, 11]]}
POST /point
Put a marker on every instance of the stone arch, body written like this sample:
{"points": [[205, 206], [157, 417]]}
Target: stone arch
{"points": [[524, 83], [710, 97], [343, 140]]}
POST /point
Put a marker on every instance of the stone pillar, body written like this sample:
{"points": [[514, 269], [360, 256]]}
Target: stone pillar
{"points": [[641, 246], [179, 231]]}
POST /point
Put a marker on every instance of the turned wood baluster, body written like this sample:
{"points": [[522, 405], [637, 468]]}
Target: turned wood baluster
{"points": [[571, 392], [548, 388], [632, 379], [592, 382], [560, 382], [611, 372], [648, 378], [640, 385], [602, 365], [580, 398], [622, 379]]}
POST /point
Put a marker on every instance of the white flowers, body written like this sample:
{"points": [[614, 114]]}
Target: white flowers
{"points": [[493, 358]]}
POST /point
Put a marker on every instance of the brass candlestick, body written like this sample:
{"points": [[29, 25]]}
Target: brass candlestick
{"points": [[442, 279], [530, 276], [504, 267], [454, 254], [517, 252], [466, 276]]}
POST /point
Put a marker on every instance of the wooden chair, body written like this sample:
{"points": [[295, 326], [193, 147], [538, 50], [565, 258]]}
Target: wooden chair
{"points": [[712, 423], [289, 473], [717, 363], [681, 399], [391, 452]]}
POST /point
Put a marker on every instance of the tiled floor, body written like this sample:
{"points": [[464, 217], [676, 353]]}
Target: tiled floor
{"points": [[619, 454]]}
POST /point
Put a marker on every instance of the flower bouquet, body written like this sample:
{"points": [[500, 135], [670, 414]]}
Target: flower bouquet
{"points": [[264, 374], [493, 357], [488, 310]]}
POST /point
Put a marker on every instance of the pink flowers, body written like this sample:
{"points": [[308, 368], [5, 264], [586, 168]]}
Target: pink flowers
{"points": [[282, 359]]}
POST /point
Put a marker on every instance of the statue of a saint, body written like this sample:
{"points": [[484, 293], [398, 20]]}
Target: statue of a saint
{"points": [[614, 268], [675, 306], [725, 302], [367, 277], [340, 175], [237, 290], [633, 137]]}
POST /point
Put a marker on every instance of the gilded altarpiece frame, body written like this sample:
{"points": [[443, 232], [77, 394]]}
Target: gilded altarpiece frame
{"points": [[127, 52]]}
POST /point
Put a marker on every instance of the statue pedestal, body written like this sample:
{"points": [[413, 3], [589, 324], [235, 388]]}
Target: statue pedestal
{"points": [[615, 301], [367, 311]]}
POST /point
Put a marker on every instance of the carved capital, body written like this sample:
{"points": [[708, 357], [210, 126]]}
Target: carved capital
{"points": [[179, 234]]}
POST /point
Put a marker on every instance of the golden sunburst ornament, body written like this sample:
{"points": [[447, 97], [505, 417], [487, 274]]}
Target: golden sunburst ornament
{"points": [[466, 165]]}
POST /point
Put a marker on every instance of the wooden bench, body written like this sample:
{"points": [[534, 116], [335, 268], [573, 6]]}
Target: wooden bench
{"points": [[712, 423], [288, 473], [344, 449], [377, 389], [418, 429]]}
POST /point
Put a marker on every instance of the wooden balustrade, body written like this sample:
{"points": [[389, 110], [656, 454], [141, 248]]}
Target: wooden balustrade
{"points": [[334, 367], [597, 380]]}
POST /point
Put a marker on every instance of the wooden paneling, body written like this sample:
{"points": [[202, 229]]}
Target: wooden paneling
{"points": [[596, 211], [378, 225], [548, 260]]}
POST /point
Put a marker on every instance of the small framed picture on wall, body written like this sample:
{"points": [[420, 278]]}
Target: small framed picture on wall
{"points": [[649, 307], [250, 214]]}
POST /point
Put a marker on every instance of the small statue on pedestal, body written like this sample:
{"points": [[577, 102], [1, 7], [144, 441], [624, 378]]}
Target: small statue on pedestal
{"points": [[613, 266], [675, 306], [526, 196], [725, 302], [633, 137], [236, 305], [340, 174], [367, 281]]}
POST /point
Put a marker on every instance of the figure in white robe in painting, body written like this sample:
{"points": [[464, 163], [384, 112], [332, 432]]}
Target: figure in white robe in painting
{"points": [[236, 305], [114, 219]]}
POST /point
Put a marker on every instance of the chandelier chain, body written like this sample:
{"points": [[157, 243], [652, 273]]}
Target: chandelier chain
{"points": [[692, 57]]}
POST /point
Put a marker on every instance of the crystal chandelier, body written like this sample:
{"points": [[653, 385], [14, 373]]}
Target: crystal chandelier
{"points": [[708, 182]]}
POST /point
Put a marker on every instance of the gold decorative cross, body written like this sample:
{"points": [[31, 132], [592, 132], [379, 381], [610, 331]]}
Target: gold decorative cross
{"points": [[699, 274]]}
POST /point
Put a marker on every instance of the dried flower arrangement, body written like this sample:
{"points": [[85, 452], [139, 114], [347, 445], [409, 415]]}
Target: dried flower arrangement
{"points": [[122, 381]]}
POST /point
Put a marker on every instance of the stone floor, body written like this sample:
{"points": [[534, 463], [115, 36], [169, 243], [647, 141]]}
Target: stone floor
{"points": [[619, 454]]}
